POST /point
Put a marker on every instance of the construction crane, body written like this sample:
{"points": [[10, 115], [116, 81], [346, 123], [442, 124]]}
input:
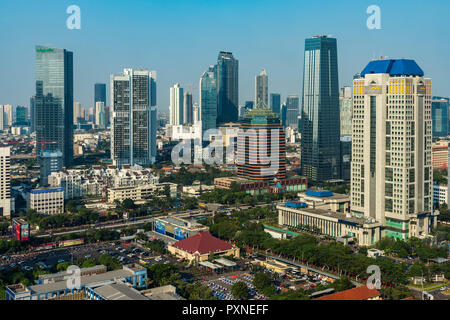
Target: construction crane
{"points": [[42, 143]]}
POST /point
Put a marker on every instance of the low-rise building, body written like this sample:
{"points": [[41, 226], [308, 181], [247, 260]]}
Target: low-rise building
{"points": [[253, 187], [199, 247], [359, 293], [140, 192], [326, 222], [178, 228], [61, 289], [373, 253], [325, 200], [46, 200]]}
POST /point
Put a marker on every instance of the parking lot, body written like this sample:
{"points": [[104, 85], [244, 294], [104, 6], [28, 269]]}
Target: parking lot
{"points": [[221, 287]]}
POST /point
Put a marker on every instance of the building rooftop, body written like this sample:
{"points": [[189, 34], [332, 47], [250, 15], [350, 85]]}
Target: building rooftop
{"points": [[342, 217], [119, 291], [203, 243], [401, 67], [359, 293], [91, 280]]}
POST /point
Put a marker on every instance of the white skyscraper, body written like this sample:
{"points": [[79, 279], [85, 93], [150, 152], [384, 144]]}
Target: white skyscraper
{"points": [[133, 120], [100, 119], [391, 170], [76, 112], [5, 188], [176, 105], [7, 115], [262, 88], [2, 118]]}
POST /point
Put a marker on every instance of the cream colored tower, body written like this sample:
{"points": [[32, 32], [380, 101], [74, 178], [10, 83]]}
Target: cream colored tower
{"points": [[392, 176]]}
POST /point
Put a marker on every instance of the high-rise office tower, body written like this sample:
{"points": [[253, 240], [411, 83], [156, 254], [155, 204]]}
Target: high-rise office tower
{"points": [[391, 170], [188, 111], [2, 118], [320, 112], [262, 88], [32, 115], [261, 147], [21, 116], [7, 115], [107, 116], [439, 114], [283, 114], [227, 69], [208, 100], [133, 117], [345, 110], [292, 111], [76, 112], [176, 105], [100, 93], [54, 101], [275, 103], [5, 176], [100, 114]]}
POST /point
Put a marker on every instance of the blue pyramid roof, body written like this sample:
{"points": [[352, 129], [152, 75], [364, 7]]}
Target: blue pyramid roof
{"points": [[401, 67]]}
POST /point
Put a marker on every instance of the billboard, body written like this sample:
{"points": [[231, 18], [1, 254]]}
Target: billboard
{"points": [[69, 243], [160, 228]]}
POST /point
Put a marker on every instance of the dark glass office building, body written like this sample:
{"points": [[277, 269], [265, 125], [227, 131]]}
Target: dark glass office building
{"points": [[227, 88], [320, 148], [275, 103], [292, 111], [21, 116], [208, 100], [439, 115], [53, 102], [100, 93]]}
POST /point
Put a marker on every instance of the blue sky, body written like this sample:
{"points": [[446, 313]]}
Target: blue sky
{"points": [[180, 39]]}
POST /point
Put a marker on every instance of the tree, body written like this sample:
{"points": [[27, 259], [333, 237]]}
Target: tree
{"points": [[261, 280], [128, 204], [240, 290], [342, 284]]}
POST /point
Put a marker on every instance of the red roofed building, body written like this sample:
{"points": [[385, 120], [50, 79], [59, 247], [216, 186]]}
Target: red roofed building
{"points": [[359, 293], [199, 247]]}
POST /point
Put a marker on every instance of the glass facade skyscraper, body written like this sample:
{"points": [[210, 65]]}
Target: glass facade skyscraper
{"points": [[439, 114], [292, 111], [275, 103], [320, 154], [208, 99], [54, 101], [100, 93], [227, 69]]}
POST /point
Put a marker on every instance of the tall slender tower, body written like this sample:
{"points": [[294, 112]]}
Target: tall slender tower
{"points": [[133, 117], [188, 111], [391, 169], [227, 87], [320, 154], [5, 176], [176, 105], [54, 101], [262, 88]]}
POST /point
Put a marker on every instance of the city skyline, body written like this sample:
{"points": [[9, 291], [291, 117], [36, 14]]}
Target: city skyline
{"points": [[284, 63]]}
